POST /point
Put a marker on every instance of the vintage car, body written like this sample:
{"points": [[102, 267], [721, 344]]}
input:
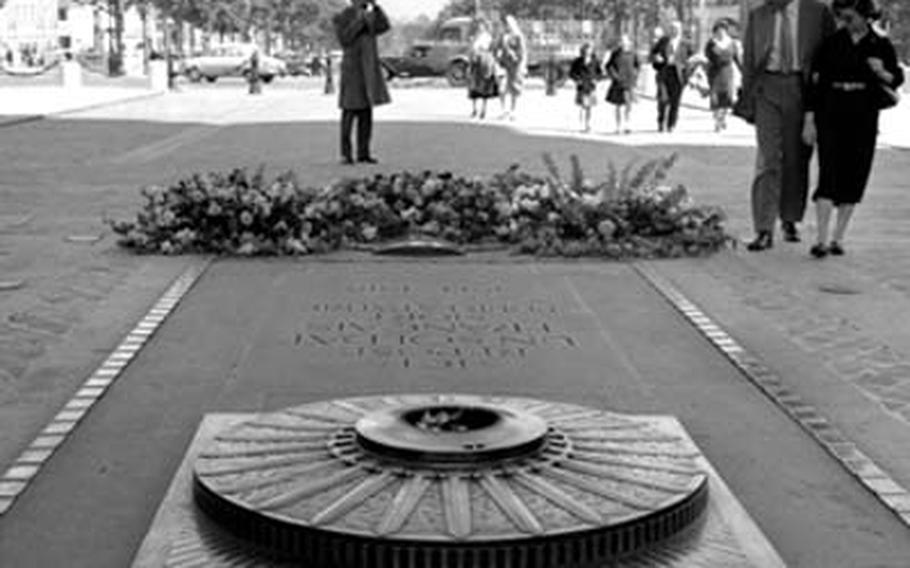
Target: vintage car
{"points": [[552, 44], [231, 60], [445, 55]]}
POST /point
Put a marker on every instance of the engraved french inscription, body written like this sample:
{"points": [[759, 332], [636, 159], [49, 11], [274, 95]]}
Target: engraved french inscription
{"points": [[478, 329]]}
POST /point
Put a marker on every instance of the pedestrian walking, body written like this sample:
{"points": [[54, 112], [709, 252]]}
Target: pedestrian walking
{"points": [[723, 58], [483, 83], [854, 75], [669, 58], [782, 37], [512, 56], [362, 84], [584, 72], [622, 68]]}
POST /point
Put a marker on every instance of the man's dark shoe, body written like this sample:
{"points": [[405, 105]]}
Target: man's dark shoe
{"points": [[368, 160], [835, 249], [819, 250], [347, 161], [763, 241], [791, 234]]}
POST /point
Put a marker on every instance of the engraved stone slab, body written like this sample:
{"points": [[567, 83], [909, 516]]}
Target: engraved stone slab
{"points": [[180, 535]]}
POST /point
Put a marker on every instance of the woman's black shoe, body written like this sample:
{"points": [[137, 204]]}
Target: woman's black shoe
{"points": [[819, 251], [368, 160], [835, 249], [763, 241]]}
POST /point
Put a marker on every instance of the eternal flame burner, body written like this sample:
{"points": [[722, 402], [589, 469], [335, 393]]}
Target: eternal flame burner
{"points": [[450, 480]]}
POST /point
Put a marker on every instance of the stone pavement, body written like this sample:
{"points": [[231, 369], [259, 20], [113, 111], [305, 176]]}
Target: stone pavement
{"points": [[828, 329]]}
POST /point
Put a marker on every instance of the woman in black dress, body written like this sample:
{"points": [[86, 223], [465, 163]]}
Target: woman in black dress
{"points": [[848, 73]]}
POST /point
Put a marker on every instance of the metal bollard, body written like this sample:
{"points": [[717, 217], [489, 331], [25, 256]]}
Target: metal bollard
{"points": [[253, 77], [550, 76], [329, 80]]}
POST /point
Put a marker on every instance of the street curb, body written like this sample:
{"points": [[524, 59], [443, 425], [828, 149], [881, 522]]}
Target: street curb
{"points": [[26, 467], [882, 486], [36, 117]]}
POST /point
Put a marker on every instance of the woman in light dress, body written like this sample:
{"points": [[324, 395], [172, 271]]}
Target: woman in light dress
{"points": [[512, 56]]}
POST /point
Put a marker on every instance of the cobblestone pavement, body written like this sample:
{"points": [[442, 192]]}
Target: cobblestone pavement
{"points": [[67, 294]]}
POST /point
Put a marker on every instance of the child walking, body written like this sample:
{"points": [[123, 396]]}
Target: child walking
{"points": [[622, 68], [585, 71]]}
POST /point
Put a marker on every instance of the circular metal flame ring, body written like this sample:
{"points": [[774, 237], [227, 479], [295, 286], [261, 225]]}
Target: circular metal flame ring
{"points": [[590, 487]]}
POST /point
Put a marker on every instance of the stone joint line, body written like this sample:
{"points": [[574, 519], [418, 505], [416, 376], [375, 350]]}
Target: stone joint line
{"points": [[891, 494], [27, 465]]}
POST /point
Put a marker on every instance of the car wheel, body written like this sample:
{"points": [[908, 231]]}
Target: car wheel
{"points": [[457, 74], [267, 78], [194, 75], [210, 78]]}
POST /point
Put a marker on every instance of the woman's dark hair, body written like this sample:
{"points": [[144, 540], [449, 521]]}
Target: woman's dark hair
{"points": [[865, 8], [720, 25]]}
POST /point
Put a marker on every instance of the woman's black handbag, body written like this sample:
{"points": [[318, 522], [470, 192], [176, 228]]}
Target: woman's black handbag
{"points": [[885, 96]]}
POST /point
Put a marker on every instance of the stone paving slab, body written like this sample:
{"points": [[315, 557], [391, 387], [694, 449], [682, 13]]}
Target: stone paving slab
{"points": [[259, 335], [855, 372]]}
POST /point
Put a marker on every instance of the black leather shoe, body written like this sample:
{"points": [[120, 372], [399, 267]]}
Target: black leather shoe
{"points": [[791, 234], [368, 160], [819, 250], [762, 241], [835, 249], [347, 161]]}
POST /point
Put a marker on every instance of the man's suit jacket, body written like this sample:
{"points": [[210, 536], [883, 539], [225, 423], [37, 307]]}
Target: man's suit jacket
{"points": [[660, 56], [815, 23]]}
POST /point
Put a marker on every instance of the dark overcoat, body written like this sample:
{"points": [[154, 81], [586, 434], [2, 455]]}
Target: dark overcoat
{"points": [[362, 83]]}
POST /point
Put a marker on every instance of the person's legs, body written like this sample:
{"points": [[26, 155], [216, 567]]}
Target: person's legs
{"points": [[663, 98], [844, 212], [618, 114], [364, 133], [627, 111], [768, 157], [823, 209], [795, 154], [347, 123], [674, 88]]}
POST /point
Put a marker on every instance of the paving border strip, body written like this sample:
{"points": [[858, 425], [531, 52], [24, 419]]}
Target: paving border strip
{"points": [[891, 494], [22, 472]]}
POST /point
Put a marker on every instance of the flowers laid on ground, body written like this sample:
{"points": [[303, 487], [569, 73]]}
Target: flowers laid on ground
{"points": [[633, 213]]}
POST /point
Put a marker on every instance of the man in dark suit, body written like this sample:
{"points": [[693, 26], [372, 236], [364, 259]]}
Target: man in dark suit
{"points": [[362, 84], [669, 57], [781, 39]]}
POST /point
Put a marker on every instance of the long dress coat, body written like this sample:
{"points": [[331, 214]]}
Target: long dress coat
{"points": [[362, 80]]}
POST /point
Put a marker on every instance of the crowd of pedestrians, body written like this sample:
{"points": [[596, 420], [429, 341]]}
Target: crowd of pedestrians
{"points": [[813, 75]]}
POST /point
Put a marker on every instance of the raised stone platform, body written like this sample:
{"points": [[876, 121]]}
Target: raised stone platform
{"points": [[721, 532]]}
